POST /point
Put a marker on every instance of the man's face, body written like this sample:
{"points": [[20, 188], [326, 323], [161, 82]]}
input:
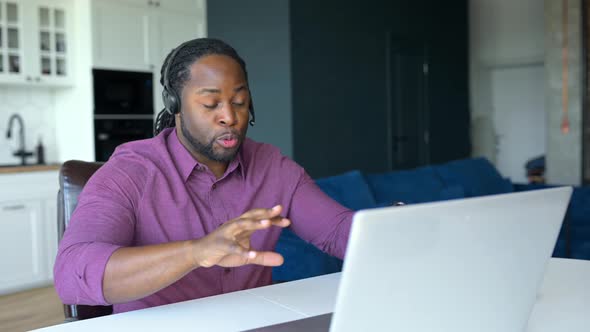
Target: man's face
{"points": [[214, 116]]}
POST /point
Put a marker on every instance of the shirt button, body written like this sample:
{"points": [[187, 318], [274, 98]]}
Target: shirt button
{"points": [[227, 270], [213, 186]]}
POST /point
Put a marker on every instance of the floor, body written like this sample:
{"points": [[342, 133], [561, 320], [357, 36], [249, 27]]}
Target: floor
{"points": [[30, 309]]}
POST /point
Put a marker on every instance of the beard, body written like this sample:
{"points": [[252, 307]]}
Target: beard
{"points": [[206, 148]]}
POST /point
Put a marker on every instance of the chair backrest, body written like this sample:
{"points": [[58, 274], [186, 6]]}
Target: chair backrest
{"points": [[73, 175]]}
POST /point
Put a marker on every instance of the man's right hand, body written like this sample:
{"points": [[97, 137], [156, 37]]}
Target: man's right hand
{"points": [[229, 245]]}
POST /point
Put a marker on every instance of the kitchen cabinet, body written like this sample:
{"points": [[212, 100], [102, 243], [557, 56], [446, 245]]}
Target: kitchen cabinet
{"points": [[121, 37], [136, 35], [133, 34], [35, 40], [178, 5], [28, 219], [173, 28]]}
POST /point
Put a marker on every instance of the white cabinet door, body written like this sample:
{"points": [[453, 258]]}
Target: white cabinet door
{"points": [[21, 242], [35, 38], [28, 224], [184, 6], [51, 35], [11, 42], [171, 29], [49, 235], [136, 35], [188, 7], [139, 3], [121, 36]]}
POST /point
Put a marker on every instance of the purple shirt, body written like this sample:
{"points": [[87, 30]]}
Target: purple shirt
{"points": [[153, 191]]}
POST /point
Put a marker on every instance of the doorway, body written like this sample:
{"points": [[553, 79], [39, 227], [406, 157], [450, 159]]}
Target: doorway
{"points": [[520, 123], [408, 103]]}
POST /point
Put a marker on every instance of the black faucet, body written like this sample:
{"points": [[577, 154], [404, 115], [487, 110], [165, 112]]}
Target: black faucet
{"points": [[21, 152]]}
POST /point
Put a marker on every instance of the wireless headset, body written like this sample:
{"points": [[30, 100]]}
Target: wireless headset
{"points": [[170, 97]]}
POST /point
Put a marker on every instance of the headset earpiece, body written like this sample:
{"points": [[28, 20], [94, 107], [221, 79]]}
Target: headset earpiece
{"points": [[252, 115], [169, 96], [170, 101]]}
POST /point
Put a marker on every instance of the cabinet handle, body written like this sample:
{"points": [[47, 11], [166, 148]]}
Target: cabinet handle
{"points": [[29, 78], [37, 79], [13, 207], [150, 3], [157, 3]]}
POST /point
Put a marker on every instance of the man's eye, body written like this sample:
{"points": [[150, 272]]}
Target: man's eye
{"points": [[238, 103], [211, 107]]}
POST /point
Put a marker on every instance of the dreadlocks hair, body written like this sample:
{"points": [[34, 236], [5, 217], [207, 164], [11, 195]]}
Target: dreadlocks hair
{"points": [[179, 71]]}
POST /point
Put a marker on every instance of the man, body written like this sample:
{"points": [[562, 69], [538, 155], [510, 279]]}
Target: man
{"points": [[196, 210]]}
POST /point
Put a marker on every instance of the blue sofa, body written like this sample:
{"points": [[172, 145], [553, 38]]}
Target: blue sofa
{"points": [[456, 179]]}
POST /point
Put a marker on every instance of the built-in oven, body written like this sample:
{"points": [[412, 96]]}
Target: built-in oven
{"points": [[123, 109], [123, 92], [110, 133]]}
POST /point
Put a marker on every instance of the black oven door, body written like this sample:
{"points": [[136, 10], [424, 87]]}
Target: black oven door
{"points": [[110, 133], [122, 92]]}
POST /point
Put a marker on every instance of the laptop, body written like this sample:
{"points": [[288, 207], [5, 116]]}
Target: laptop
{"points": [[463, 265]]}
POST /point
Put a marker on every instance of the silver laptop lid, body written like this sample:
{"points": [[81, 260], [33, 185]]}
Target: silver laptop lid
{"points": [[465, 265]]}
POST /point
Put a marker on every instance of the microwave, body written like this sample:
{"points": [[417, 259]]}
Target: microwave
{"points": [[121, 93]]}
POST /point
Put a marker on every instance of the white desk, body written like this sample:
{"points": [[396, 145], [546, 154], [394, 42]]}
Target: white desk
{"points": [[563, 305]]}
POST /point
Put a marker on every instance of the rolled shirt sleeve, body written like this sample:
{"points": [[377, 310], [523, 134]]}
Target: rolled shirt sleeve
{"points": [[316, 217], [102, 222]]}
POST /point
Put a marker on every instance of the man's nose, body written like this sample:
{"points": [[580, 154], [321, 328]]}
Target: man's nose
{"points": [[227, 116]]}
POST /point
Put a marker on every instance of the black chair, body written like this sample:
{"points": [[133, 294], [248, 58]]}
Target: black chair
{"points": [[73, 175]]}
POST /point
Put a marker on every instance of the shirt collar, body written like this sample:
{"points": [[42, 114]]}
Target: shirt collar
{"points": [[186, 163]]}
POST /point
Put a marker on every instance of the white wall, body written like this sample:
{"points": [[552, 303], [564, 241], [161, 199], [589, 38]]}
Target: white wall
{"points": [[564, 151], [506, 41], [74, 106]]}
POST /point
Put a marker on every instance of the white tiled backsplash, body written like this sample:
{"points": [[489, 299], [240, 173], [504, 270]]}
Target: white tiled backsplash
{"points": [[37, 108]]}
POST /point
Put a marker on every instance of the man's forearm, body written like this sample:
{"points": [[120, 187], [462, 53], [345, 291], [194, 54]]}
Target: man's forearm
{"points": [[135, 272]]}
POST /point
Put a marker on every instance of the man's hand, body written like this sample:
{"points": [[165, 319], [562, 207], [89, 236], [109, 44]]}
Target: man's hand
{"points": [[229, 245]]}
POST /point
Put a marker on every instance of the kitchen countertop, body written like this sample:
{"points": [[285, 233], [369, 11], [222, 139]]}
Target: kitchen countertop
{"points": [[28, 168]]}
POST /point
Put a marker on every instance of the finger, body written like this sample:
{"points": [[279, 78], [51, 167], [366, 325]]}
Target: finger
{"points": [[276, 221], [247, 231], [281, 222], [242, 225], [265, 258], [263, 213]]}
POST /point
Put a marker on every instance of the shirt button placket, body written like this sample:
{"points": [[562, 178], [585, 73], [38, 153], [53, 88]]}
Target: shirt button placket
{"points": [[226, 280], [226, 274]]}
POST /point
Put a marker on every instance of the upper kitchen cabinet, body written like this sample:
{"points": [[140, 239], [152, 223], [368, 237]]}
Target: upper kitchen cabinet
{"points": [[52, 65], [178, 5], [136, 34], [121, 35], [35, 38], [172, 27]]}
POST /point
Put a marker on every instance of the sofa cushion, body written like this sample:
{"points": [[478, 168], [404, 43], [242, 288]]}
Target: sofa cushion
{"points": [[451, 192], [477, 176], [408, 186], [578, 218], [349, 189], [302, 259]]}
